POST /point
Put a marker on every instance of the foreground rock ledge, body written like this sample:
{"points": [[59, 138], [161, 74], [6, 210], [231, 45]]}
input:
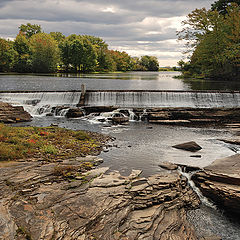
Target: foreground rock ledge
{"points": [[104, 205], [221, 182], [13, 114]]}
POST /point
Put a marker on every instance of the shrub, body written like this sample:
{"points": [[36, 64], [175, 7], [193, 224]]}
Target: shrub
{"points": [[49, 149]]}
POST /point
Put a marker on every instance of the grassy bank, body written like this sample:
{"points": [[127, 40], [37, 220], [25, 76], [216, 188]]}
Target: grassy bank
{"points": [[48, 143]]}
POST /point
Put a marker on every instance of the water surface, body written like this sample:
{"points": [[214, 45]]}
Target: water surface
{"points": [[111, 81]]}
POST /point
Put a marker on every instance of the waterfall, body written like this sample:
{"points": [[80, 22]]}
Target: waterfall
{"points": [[144, 99], [41, 103]]}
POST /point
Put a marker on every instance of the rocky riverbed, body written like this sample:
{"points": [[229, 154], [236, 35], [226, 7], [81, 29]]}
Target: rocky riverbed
{"points": [[73, 199], [36, 203]]}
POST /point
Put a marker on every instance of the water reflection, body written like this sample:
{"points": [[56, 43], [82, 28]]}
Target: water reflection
{"points": [[205, 84], [110, 81]]}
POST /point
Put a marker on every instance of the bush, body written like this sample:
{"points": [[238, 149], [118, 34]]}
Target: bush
{"points": [[49, 149]]}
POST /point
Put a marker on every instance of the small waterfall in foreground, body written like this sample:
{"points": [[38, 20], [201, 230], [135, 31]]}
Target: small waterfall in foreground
{"points": [[42, 103], [145, 99]]}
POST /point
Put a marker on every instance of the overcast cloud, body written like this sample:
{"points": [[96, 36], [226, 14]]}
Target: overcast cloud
{"points": [[139, 27]]}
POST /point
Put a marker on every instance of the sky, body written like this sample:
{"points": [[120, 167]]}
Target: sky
{"points": [[139, 27]]}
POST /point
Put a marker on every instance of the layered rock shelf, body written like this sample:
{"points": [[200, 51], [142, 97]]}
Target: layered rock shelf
{"points": [[13, 114], [221, 183], [37, 204]]}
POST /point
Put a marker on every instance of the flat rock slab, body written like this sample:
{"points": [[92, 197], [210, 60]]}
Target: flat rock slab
{"points": [[35, 204], [188, 146], [168, 166], [220, 182]]}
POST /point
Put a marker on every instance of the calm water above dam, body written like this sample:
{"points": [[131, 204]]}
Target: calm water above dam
{"points": [[111, 81]]}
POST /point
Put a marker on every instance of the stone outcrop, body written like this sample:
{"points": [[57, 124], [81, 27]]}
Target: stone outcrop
{"points": [[178, 116], [188, 146], [36, 204], [13, 114], [221, 183]]}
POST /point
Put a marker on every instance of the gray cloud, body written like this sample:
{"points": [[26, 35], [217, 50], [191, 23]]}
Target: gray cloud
{"points": [[138, 27]]}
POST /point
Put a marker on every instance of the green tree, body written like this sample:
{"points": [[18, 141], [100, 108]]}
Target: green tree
{"points": [[79, 53], [23, 61], [30, 29], [222, 5], [58, 36], [215, 48], [150, 63], [45, 53], [104, 59], [7, 55]]}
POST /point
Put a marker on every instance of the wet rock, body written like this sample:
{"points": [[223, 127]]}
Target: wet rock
{"points": [[188, 146], [75, 113], [168, 166], [221, 182], [97, 205], [196, 156], [234, 140], [13, 114]]}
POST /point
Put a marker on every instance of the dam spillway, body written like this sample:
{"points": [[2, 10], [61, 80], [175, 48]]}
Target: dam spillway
{"points": [[173, 99], [32, 101]]}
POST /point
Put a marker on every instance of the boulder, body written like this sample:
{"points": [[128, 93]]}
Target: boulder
{"points": [[188, 146], [13, 114], [221, 183], [75, 113]]}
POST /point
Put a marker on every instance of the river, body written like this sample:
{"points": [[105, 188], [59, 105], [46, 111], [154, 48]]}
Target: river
{"points": [[141, 145]]}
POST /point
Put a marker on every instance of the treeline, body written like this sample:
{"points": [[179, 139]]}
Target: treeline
{"points": [[39, 52], [213, 40]]}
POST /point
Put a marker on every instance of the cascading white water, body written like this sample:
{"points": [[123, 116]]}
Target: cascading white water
{"points": [[41, 103], [146, 99], [203, 199]]}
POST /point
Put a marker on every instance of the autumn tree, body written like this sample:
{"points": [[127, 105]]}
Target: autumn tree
{"points": [[122, 60], [45, 53]]}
